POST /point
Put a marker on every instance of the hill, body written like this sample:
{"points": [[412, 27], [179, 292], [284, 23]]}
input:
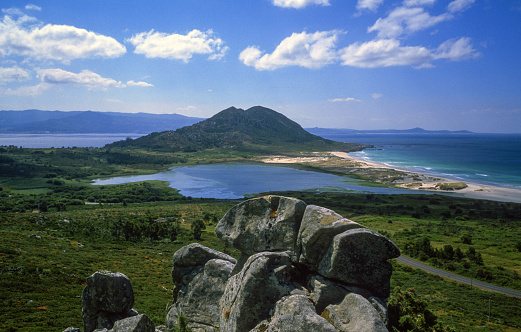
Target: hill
{"points": [[86, 122], [333, 131], [255, 129]]}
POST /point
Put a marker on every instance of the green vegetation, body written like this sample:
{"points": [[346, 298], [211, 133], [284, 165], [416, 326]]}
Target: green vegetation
{"points": [[451, 186], [45, 258], [409, 312]]}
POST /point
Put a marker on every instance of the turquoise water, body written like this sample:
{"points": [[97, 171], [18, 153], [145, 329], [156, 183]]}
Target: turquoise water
{"points": [[482, 158], [232, 181]]}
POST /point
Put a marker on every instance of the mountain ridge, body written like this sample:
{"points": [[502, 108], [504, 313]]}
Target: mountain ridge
{"points": [[416, 130], [89, 122]]}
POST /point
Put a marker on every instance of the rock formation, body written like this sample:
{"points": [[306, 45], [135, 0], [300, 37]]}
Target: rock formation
{"points": [[107, 303], [302, 268]]}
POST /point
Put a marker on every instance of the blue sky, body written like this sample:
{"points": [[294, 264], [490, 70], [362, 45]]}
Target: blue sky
{"points": [[360, 64]]}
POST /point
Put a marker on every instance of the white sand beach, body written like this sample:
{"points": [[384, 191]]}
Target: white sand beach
{"points": [[342, 162]]}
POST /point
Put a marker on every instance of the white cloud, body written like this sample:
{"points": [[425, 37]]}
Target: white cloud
{"points": [[376, 95], [299, 3], [369, 4], [140, 84], [338, 100], [181, 47], [384, 53], [389, 52], [309, 50], [405, 19], [54, 42], [13, 74], [456, 50], [187, 108], [33, 7], [12, 11], [85, 78], [27, 91], [459, 5], [416, 3]]}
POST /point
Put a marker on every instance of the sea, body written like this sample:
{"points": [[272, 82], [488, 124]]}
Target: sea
{"points": [[482, 158], [493, 159]]}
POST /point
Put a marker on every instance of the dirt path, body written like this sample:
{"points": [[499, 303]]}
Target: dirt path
{"points": [[458, 278]]}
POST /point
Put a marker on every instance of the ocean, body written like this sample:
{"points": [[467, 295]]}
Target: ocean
{"points": [[482, 158]]}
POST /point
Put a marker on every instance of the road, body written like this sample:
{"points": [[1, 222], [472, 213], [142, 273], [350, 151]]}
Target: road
{"points": [[458, 278]]}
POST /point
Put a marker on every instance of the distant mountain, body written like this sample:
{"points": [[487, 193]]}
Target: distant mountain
{"points": [[256, 128], [84, 122], [332, 131]]}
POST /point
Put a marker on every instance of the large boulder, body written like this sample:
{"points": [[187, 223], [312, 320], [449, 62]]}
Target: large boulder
{"points": [[250, 296], [190, 260], [268, 223], [359, 257], [354, 313], [294, 313], [198, 291], [140, 323], [318, 228], [108, 297]]}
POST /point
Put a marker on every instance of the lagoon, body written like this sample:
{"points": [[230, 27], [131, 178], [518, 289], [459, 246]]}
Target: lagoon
{"points": [[235, 181]]}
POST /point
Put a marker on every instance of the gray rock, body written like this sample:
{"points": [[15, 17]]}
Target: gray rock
{"points": [[139, 323], [72, 329], [199, 299], [190, 260], [295, 313], [250, 296], [327, 291], [240, 263], [381, 308], [354, 313], [318, 228], [359, 257], [107, 297], [268, 223]]}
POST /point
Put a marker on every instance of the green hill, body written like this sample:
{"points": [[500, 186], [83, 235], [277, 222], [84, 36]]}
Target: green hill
{"points": [[255, 129]]}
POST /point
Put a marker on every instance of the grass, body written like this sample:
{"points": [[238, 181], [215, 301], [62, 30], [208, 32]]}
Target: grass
{"points": [[43, 268]]}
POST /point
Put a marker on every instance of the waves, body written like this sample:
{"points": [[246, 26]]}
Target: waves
{"points": [[483, 158]]}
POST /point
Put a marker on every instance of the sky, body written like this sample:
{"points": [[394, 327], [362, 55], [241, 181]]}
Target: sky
{"points": [[358, 64]]}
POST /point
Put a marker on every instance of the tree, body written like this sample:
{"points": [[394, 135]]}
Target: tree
{"points": [[197, 228], [408, 312]]}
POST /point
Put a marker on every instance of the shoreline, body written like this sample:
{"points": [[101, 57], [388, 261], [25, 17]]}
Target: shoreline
{"points": [[473, 189], [342, 162]]}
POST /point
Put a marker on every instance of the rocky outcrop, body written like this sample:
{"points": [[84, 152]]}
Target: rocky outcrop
{"points": [[268, 223], [108, 297], [107, 305], [200, 275], [302, 268]]}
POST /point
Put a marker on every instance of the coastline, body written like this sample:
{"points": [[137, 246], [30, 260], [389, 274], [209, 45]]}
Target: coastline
{"points": [[343, 163]]}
